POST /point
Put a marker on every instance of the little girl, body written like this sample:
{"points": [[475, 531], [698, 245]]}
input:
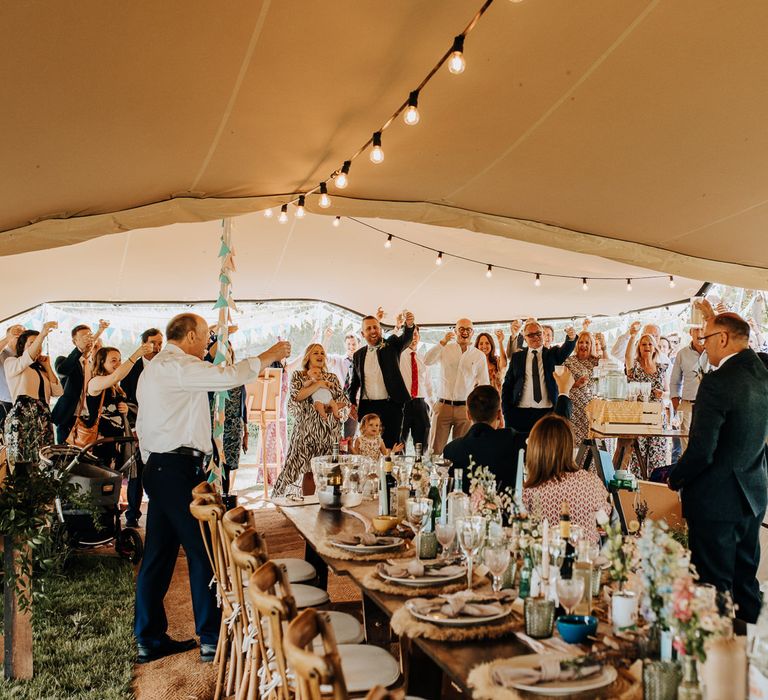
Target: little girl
{"points": [[369, 443], [322, 399]]}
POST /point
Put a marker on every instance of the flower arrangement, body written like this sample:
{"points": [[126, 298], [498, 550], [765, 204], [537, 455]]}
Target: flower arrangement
{"points": [[619, 551], [483, 497], [695, 617]]}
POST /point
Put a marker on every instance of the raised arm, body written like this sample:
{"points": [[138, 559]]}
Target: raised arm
{"points": [[102, 382]]}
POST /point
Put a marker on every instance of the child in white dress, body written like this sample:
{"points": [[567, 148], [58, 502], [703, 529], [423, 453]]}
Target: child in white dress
{"points": [[369, 443]]}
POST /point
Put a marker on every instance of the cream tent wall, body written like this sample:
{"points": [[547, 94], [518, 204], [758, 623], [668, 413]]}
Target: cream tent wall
{"points": [[631, 130]]}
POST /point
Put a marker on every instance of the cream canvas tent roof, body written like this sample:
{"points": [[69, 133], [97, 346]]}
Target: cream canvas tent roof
{"points": [[634, 130]]}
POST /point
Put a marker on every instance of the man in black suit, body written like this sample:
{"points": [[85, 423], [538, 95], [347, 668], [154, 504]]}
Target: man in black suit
{"points": [[486, 444], [154, 337], [376, 376], [722, 473], [529, 390], [71, 371]]}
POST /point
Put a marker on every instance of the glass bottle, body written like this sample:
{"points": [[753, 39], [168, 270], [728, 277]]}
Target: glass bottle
{"points": [[458, 501], [582, 569], [437, 505], [525, 577]]}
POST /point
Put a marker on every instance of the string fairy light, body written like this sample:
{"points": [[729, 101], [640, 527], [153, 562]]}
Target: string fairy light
{"points": [[300, 208], [439, 258], [325, 200], [283, 214], [337, 221], [268, 213], [584, 285], [457, 63], [629, 284], [411, 115], [537, 280], [388, 242], [489, 272], [377, 154]]}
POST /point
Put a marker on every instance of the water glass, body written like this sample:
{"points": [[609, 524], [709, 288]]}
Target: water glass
{"points": [[445, 535], [470, 532], [417, 512], [496, 556]]}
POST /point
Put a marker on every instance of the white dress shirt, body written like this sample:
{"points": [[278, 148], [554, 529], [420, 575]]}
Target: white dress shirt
{"points": [[173, 399], [340, 365], [25, 381], [374, 389], [425, 383], [686, 373], [526, 400], [460, 372], [5, 392]]}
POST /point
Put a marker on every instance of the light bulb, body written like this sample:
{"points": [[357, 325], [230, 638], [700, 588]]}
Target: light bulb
{"points": [[411, 115], [300, 208], [489, 272], [341, 180], [537, 281], [584, 284], [456, 62], [337, 221], [439, 259], [325, 200], [671, 282], [377, 155], [629, 285], [268, 213], [388, 242], [283, 214]]}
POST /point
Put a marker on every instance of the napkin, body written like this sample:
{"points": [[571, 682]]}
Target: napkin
{"points": [[548, 669], [462, 604], [367, 539], [417, 569]]}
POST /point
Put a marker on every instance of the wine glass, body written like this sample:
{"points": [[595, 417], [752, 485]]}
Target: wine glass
{"points": [[417, 512], [470, 532], [496, 556], [570, 591], [445, 533]]}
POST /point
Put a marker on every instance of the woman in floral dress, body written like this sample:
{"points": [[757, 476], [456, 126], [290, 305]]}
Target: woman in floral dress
{"points": [[643, 367], [496, 364], [581, 365]]}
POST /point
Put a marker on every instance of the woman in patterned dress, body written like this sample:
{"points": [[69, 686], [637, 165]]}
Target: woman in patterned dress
{"points": [[496, 364], [312, 434], [643, 367], [32, 382], [581, 365], [554, 478]]}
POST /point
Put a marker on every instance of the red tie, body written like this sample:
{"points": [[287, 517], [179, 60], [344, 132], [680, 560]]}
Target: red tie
{"points": [[414, 376]]}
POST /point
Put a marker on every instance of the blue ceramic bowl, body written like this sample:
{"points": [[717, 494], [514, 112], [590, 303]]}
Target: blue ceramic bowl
{"points": [[575, 629]]}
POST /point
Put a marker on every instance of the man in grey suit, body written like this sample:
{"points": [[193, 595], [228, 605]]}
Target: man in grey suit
{"points": [[722, 473]]}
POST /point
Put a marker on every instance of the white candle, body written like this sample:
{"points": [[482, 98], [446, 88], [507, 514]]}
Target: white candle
{"points": [[545, 550]]}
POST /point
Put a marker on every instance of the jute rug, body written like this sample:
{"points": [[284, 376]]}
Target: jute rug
{"points": [[183, 677]]}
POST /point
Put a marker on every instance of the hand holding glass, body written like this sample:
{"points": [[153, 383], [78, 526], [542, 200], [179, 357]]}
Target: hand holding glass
{"points": [[417, 512]]}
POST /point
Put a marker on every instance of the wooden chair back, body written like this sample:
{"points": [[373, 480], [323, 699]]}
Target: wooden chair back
{"points": [[236, 522], [209, 516], [206, 492], [314, 668]]}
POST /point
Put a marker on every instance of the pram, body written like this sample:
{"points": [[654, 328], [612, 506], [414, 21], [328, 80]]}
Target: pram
{"points": [[81, 466]]}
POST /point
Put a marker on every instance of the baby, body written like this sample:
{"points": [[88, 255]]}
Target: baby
{"points": [[322, 397], [369, 443]]}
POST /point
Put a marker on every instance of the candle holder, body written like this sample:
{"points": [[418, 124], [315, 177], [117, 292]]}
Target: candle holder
{"points": [[539, 614], [660, 680]]}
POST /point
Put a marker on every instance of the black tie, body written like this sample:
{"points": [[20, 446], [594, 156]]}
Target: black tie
{"points": [[535, 377]]}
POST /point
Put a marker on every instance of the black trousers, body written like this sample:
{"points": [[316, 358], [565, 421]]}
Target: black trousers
{"points": [[523, 419], [63, 430], [136, 491], [169, 480], [391, 414], [415, 422], [727, 554]]}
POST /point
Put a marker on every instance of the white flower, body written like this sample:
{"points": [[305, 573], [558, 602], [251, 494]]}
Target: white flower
{"points": [[602, 518]]}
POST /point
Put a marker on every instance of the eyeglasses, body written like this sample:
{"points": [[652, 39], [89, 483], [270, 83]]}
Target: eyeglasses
{"points": [[537, 334], [704, 337], [464, 329]]}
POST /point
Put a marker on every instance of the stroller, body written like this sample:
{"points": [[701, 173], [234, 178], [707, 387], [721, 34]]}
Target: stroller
{"points": [[82, 467]]}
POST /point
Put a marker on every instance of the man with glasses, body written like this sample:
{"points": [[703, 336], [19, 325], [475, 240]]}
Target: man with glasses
{"points": [[462, 368], [690, 362], [529, 390], [722, 473]]}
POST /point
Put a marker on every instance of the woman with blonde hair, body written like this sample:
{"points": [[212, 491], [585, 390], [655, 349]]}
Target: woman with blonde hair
{"points": [[582, 364], [313, 434], [553, 478]]}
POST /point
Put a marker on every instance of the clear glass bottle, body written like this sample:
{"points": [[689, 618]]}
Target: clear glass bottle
{"points": [[458, 501], [582, 568]]}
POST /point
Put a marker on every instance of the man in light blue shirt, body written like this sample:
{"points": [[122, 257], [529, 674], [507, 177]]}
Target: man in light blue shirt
{"points": [[690, 364]]}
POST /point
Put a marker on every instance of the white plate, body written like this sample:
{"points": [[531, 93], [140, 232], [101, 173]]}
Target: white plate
{"points": [[606, 676], [395, 543], [437, 618], [422, 580]]}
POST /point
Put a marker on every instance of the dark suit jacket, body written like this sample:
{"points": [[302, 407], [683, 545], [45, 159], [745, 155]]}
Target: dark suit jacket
{"points": [[514, 381], [496, 449], [722, 473], [389, 361], [131, 380], [70, 373]]}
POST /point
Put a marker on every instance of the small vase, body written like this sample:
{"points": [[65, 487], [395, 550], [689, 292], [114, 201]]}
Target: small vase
{"points": [[660, 680], [689, 689], [623, 610]]}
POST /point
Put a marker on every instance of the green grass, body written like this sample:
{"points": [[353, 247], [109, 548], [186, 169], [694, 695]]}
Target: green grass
{"points": [[83, 643]]}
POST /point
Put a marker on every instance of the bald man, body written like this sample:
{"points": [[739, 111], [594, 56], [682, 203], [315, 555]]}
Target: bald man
{"points": [[462, 368]]}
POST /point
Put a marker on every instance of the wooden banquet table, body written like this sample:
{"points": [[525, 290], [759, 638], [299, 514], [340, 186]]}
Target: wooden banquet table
{"points": [[627, 444], [439, 664]]}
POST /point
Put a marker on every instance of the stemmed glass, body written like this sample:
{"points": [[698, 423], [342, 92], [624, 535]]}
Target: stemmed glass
{"points": [[445, 533], [417, 512], [496, 555], [570, 591], [470, 532]]}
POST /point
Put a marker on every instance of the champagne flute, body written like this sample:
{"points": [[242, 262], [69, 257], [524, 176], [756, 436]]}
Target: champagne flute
{"points": [[570, 591], [417, 512], [470, 532], [445, 533], [496, 557]]}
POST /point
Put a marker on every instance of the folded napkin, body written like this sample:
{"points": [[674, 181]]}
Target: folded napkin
{"points": [[548, 669], [463, 604], [367, 538], [417, 569]]}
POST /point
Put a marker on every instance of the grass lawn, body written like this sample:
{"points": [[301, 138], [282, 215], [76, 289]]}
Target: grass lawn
{"points": [[83, 644]]}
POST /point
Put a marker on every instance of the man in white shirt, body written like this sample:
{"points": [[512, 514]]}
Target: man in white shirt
{"points": [[462, 368], [684, 384], [174, 429], [7, 349], [417, 381], [343, 367]]}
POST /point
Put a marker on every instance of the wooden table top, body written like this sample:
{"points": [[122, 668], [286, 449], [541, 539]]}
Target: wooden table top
{"points": [[630, 435], [455, 659]]}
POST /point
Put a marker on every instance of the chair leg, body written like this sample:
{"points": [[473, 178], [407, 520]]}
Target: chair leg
{"points": [[265, 468], [222, 667], [222, 640]]}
